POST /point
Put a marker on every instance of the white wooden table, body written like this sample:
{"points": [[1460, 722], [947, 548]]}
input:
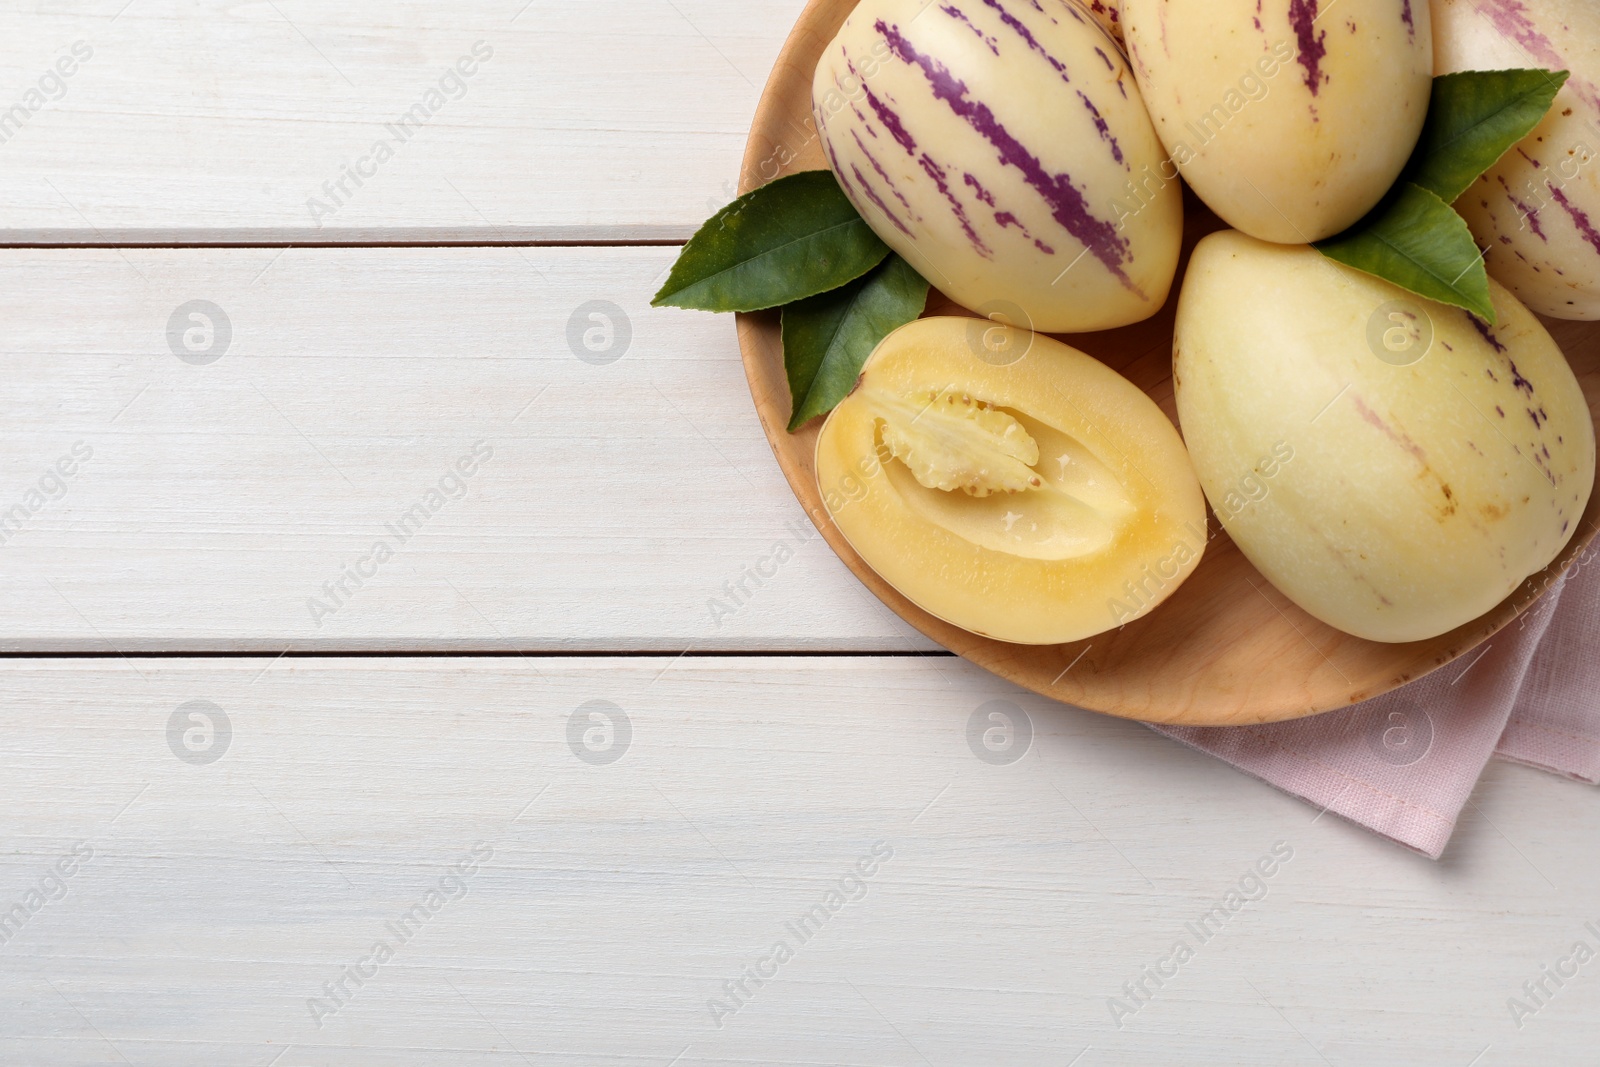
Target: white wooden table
{"points": [[519, 747]]}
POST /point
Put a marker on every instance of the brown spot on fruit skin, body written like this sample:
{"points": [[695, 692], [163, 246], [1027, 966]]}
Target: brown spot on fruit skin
{"points": [[1449, 507]]}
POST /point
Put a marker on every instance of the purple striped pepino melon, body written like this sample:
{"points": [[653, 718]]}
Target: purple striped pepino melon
{"points": [[1393, 487], [1290, 118], [1002, 148], [1538, 209], [1039, 501]]}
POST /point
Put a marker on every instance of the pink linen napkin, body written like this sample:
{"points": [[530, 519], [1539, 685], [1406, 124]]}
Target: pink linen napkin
{"points": [[1404, 764]]}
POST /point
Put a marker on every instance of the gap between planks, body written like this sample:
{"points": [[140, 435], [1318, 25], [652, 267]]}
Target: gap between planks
{"points": [[78, 246], [482, 654]]}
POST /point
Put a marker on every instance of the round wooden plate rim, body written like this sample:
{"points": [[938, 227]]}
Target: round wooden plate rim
{"points": [[1210, 690]]}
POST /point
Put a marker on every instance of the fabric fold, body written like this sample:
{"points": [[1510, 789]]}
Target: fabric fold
{"points": [[1404, 764]]}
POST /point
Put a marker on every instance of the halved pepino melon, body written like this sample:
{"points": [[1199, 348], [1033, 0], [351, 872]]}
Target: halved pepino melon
{"points": [[1010, 484]]}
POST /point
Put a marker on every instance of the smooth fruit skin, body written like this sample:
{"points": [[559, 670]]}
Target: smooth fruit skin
{"points": [[1290, 118], [1116, 527], [1419, 494], [1538, 209], [992, 143]]}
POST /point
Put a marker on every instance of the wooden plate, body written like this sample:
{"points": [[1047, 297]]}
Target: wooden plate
{"points": [[1227, 648]]}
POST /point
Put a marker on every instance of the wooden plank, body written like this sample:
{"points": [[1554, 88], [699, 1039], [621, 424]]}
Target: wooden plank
{"points": [[216, 121], [620, 498], [1008, 904]]}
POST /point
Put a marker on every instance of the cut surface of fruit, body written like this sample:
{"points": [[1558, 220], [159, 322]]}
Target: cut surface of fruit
{"points": [[1040, 499]]}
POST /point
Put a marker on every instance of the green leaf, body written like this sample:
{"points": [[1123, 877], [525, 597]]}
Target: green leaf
{"points": [[1474, 118], [827, 338], [1415, 240], [793, 238]]}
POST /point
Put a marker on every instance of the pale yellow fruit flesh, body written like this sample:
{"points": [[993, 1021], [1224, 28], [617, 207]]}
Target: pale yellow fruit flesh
{"points": [[1416, 497], [1071, 506]]}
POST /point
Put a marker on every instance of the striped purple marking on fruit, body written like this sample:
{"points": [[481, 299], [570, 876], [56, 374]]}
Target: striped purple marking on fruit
{"points": [[1529, 214], [977, 187], [898, 131], [936, 172], [896, 127], [1110, 66], [1066, 202], [872, 195], [838, 171], [1022, 31], [863, 120], [1400, 438], [1511, 19], [1580, 218], [886, 114], [883, 174], [1005, 218], [1303, 17], [961, 17], [1488, 335], [1105, 130]]}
